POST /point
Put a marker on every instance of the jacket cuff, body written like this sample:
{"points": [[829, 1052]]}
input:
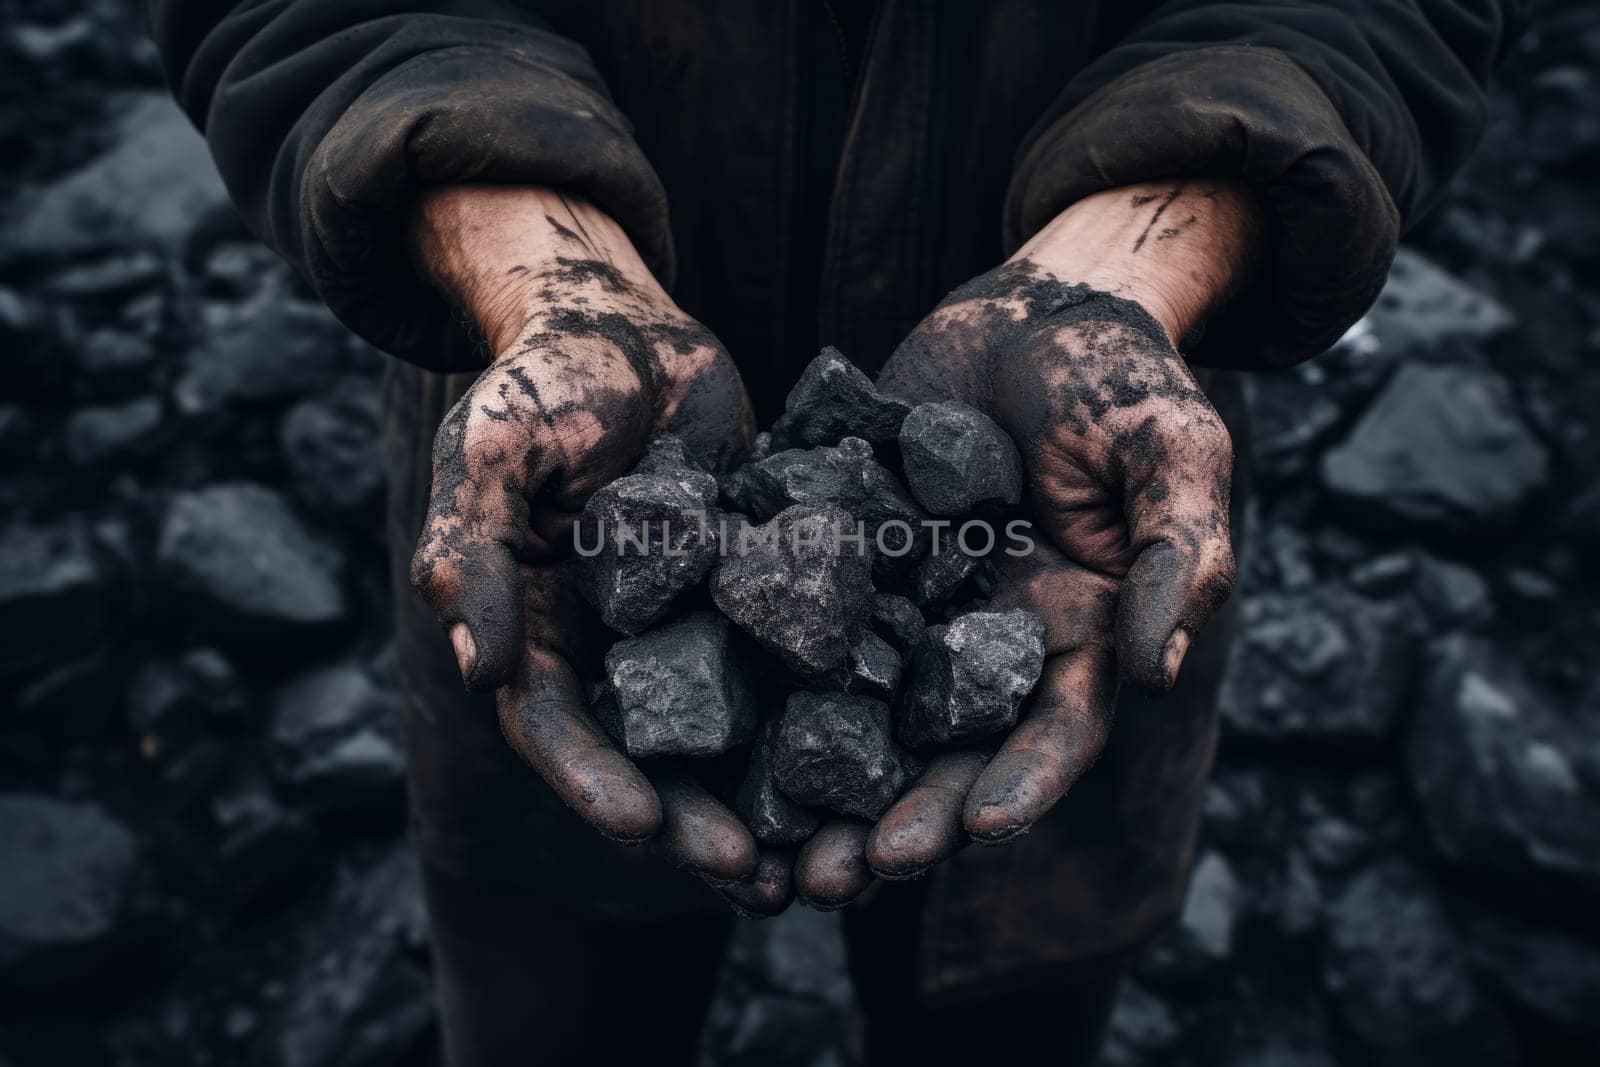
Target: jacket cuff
{"points": [[1250, 113], [460, 114]]}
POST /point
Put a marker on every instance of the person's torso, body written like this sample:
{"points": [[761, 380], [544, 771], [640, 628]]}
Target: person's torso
{"points": [[832, 169]]}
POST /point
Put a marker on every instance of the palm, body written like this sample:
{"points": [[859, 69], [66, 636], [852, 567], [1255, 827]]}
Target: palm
{"points": [[1128, 470]]}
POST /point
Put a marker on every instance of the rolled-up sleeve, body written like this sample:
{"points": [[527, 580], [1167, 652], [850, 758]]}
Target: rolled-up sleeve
{"points": [[326, 121], [1347, 117]]}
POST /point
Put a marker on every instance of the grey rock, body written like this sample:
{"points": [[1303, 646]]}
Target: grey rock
{"points": [[666, 453], [834, 751], [66, 892], [1400, 974], [1204, 936], [238, 556], [653, 534], [969, 678], [1551, 973], [873, 669], [330, 440], [957, 460], [1292, 418], [112, 358], [1142, 1029], [795, 590], [177, 707], [772, 817], [847, 474], [834, 399], [264, 845], [898, 620], [355, 995], [149, 189], [270, 349], [1506, 782], [16, 432], [53, 594], [1452, 594], [1423, 307], [940, 575], [335, 738], [1317, 665], [682, 689], [1443, 446], [118, 433]]}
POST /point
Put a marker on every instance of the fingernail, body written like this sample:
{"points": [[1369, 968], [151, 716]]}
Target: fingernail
{"points": [[466, 649], [1172, 656], [903, 876]]}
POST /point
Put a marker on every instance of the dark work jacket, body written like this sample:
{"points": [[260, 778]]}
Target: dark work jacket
{"points": [[799, 173], [958, 129]]}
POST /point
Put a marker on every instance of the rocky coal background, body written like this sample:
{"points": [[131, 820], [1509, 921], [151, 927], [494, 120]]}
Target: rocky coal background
{"points": [[201, 841]]}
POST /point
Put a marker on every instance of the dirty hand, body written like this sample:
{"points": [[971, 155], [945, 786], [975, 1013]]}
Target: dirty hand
{"points": [[588, 358], [1071, 346]]}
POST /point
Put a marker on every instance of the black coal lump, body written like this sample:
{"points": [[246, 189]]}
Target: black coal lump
{"points": [[796, 589], [653, 534], [847, 474], [940, 574], [898, 620], [681, 689], [968, 679], [957, 461], [773, 818], [834, 399], [873, 669], [834, 751]]}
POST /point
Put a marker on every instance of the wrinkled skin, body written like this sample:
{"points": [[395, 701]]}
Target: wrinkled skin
{"points": [[590, 359], [1128, 471]]}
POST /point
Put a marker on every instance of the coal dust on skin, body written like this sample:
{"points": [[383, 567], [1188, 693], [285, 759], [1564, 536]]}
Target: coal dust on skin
{"points": [[1101, 406], [565, 410]]}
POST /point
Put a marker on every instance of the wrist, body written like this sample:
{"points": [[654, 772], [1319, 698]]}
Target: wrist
{"points": [[1177, 248], [493, 251]]}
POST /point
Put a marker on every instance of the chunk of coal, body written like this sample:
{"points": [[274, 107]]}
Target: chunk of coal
{"points": [[834, 751], [834, 399], [681, 689], [647, 537], [874, 669], [666, 454], [71, 873], [899, 620], [940, 574], [760, 448], [968, 679], [957, 460], [249, 570], [1446, 447], [772, 817], [798, 586], [847, 474]]}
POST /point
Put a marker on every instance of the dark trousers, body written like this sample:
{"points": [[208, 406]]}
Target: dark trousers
{"points": [[521, 982]]}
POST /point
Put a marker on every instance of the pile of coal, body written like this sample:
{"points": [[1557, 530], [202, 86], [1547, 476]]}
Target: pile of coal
{"points": [[820, 611]]}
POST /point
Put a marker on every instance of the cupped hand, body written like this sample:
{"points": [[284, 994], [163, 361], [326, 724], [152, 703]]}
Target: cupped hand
{"points": [[1070, 346], [588, 358]]}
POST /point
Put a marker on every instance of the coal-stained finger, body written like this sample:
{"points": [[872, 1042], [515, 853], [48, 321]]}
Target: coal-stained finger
{"points": [[700, 832], [925, 825], [831, 870], [544, 719], [768, 891], [1176, 502], [465, 564], [1062, 733]]}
